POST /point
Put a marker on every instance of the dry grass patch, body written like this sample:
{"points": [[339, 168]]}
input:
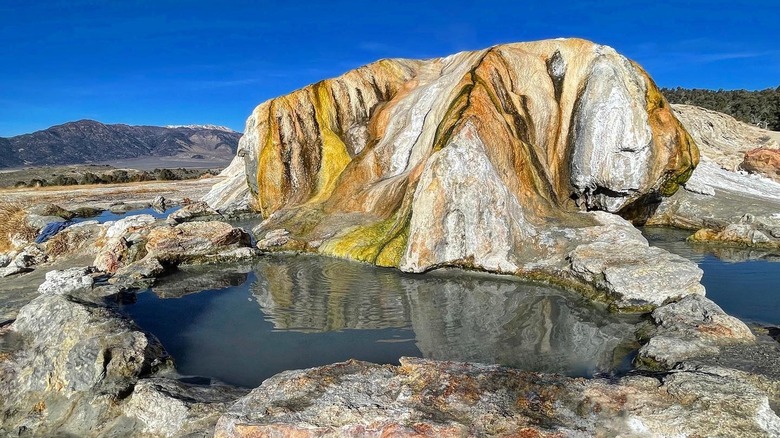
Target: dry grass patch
{"points": [[73, 240], [13, 223], [58, 245]]}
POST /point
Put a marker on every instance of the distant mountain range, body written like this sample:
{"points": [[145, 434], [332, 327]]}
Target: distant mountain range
{"points": [[88, 141]]}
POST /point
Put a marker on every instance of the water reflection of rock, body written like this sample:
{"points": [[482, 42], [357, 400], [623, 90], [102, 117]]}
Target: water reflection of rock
{"points": [[194, 279], [455, 315], [324, 294], [516, 324], [675, 241]]}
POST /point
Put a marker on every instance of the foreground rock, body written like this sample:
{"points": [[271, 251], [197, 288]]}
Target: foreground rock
{"points": [[482, 160], [427, 398], [80, 368], [76, 357]]}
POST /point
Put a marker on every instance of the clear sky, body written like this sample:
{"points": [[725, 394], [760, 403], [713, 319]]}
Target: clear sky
{"points": [[161, 62]]}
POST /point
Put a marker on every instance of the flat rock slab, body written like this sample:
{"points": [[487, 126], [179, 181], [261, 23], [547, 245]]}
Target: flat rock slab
{"points": [[424, 398]]}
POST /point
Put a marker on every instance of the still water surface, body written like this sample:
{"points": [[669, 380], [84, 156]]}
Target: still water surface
{"points": [[243, 325], [106, 215], [744, 282]]}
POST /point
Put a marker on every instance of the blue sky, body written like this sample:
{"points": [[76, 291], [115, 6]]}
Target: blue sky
{"points": [[161, 62]]}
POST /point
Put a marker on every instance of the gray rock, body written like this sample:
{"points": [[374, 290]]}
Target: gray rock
{"points": [[24, 261], [38, 222], [195, 211], [121, 208], [79, 360], [167, 407], [50, 210], [67, 282], [455, 399], [636, 275], [159, 203], [691, 327], [5, 260]]}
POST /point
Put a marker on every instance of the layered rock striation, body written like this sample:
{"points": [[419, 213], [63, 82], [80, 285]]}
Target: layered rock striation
{"points": [[488, 159]]}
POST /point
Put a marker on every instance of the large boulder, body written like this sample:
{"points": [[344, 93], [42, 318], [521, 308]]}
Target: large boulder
{"points": [[78, 361], [762, 161], [482, 159], [122, 242]]}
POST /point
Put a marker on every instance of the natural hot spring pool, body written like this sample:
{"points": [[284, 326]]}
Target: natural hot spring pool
{"points": [[744, 282], [244, 324]]}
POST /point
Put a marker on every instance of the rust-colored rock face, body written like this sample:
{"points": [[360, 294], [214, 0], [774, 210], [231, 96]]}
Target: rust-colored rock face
{"points": [[763, 161], [467, 160]]}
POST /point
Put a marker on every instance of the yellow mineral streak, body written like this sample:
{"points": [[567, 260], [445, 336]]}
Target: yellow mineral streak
{"points": [[334, 157], [381, 243]]}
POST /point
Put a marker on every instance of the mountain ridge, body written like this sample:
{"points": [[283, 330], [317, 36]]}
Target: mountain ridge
{"points": [[88, 141]]}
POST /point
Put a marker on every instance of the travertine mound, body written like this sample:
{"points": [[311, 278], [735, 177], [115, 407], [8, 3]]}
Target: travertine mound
{"points": [[720, 137], [481, 159]]}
